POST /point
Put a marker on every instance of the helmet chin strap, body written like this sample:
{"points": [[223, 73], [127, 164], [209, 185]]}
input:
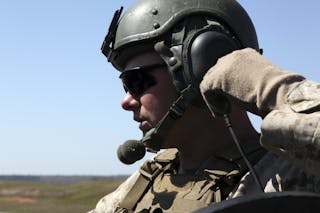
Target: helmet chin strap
{"points": [[154, 138]]}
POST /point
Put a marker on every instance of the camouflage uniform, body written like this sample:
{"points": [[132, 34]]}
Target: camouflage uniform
{"points": [[173, 191], [289, 105], [275, 173]]}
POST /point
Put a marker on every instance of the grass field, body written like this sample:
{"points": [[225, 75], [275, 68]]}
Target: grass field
{"points": [[38, 197]]}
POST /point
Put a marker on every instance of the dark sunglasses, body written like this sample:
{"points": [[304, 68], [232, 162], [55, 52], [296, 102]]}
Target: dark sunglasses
{"points": [[137, 80]]}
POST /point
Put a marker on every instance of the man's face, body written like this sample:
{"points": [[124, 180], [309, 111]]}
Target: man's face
{"points": [[155, 97]]}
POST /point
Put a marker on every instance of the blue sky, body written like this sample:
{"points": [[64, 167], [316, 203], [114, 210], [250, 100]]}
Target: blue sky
{"points": [[60, 99]]}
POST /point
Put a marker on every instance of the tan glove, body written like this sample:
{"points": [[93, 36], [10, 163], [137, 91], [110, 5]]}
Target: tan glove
{"points": [[289, 104], [249, 80]]}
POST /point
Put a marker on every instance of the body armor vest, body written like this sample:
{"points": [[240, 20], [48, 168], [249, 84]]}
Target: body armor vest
{"points": [[160, 188]]}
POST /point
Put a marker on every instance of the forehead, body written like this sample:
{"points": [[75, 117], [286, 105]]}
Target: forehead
{"points": [[143, 58]]}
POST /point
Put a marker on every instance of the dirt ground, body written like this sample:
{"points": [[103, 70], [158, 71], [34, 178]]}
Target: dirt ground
{"points": [[17, 199]]}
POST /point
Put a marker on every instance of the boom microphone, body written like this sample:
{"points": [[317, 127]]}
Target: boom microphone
{"points": [[131, 151]]}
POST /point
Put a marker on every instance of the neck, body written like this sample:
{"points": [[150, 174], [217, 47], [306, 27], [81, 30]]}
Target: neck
{"points": [[209, 136], [194, 151]]}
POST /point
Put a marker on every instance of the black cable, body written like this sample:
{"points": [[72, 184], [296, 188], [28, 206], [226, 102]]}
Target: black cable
{"points": [[236, 141]]}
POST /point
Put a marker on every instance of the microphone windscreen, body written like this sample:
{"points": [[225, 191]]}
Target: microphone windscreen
{"points": [[131, 151]]}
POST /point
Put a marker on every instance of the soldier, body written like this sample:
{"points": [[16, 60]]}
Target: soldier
{"points": [[188, 67]]}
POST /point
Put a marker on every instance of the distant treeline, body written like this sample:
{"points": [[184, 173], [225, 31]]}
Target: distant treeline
{"points": [[59, 179]]}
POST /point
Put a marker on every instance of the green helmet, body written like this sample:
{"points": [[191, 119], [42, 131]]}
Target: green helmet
{"points": [[149, 21]]}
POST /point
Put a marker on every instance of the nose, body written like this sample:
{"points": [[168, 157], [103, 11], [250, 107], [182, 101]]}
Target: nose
{"points": [[129, 102]]}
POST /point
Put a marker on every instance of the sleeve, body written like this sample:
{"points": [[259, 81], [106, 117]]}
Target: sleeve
{"points": [[293, 131], [110, 202], [288, 103]]}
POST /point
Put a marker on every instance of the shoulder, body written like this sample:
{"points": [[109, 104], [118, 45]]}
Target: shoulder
{"points": [[110, 202]]}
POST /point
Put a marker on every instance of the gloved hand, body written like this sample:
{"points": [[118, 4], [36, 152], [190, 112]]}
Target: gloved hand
{"points": [[247, 79]]}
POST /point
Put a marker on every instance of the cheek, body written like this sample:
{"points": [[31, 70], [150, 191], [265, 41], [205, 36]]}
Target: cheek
{"points": [[153, 108], [157, 100], [156, 106]]}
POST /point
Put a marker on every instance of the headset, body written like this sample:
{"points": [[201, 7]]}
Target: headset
{"points": [[192, 47]]}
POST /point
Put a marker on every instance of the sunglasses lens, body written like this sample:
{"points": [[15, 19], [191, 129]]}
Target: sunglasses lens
{"points": [[138, 79], [136, 82]]}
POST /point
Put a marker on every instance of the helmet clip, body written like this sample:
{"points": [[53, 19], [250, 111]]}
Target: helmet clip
{"points": [[108, 43]]}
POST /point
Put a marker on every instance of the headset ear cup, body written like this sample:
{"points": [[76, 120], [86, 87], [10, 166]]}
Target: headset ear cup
{"points": [[203, 49]]}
